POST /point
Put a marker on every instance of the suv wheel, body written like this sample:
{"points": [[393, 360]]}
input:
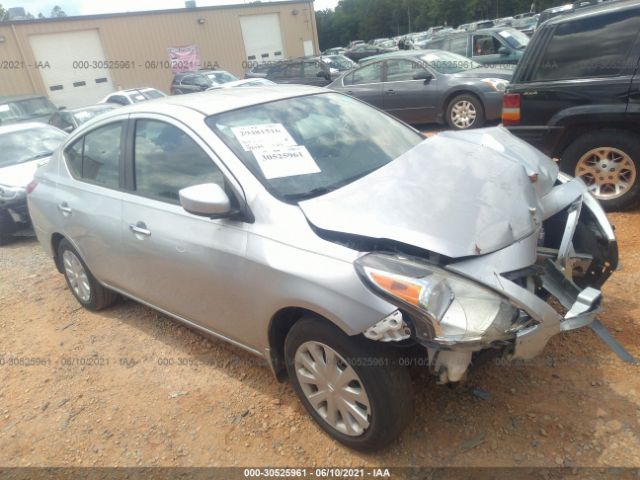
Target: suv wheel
{"points": [[607, 161], [89, 293], [352, 387], [465, 111]]}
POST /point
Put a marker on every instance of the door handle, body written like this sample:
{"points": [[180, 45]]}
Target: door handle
{"points": [[140, 229], [390, 92], [349, 92], [64, 208]]}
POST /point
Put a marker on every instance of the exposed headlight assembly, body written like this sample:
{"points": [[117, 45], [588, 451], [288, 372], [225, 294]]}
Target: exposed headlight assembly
{"points": [[498, 84], [447, 309]]}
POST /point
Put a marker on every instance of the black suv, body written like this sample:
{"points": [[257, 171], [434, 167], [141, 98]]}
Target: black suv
{"points": [[305, 71], [576, 96], [199, 81]]}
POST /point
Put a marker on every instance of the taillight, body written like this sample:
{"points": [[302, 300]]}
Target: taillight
{"points": [[511, 109], [32, 186]]}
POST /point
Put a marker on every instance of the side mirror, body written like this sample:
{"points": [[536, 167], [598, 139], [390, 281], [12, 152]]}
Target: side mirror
{"points": [[504, 51], [424, 75], [207, 200]]}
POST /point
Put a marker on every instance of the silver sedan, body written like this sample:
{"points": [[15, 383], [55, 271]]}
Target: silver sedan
{"points": [[326, 237]]}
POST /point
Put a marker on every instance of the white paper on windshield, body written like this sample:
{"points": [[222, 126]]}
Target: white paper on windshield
{"points": [[430, 57], [263, 137], [286, 162], [4, 108], [505, 34]]}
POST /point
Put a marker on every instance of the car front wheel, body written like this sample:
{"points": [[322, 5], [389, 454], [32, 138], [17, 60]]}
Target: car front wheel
{"points": [[607, 161], [352, 387], [465, 111], [89, 293]]}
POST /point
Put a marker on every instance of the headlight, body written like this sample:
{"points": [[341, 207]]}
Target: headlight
{"points": [[446, 308], [498, 84], [9, 193]]}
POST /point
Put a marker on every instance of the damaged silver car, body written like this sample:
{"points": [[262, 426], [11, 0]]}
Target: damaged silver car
{"points": [[328, 238]]}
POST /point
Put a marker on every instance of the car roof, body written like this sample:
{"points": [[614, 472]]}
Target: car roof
{"points": [[17, 98], [16, 127], [218, 101], [593, 10]]}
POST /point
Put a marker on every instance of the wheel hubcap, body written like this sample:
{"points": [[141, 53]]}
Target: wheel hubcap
{"points": [[463, 114], [608, 172], [333, 388], [76, 275]]}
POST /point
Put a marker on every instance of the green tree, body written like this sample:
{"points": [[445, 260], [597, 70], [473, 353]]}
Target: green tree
{"points": [[57, 12], [3, 13]]}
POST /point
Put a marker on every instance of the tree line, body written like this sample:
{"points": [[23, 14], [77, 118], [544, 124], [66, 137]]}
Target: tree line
{"points": [[368, 19], [55, 12]]}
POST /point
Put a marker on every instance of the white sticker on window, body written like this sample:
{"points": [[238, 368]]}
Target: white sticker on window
{"points": [[263, 137], [4, 108], [505, 34], [286, 162]]}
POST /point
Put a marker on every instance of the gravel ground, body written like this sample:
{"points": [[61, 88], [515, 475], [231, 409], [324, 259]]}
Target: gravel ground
{"points": [[129, 387]]}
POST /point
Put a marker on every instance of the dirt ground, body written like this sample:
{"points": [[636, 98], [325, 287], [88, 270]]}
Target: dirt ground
{"points": [[129, 387]]}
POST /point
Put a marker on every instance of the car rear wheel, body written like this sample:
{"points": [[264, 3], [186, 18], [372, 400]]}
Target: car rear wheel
{"points": [[89, 293], [465, 111], [607, 161], [352, 387]]}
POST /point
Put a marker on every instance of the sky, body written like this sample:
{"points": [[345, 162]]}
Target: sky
{"points": [[91, 7]]}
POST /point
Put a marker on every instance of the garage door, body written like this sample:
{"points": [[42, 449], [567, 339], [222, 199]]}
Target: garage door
{"points": [[67, 86], [262, 37]]}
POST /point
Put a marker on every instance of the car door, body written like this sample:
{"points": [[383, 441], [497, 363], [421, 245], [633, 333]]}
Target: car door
{"points": [[89, 200], [365, 83], [187, 265], [411, 99]]}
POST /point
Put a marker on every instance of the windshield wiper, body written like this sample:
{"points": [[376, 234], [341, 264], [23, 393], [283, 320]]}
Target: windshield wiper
{"points": [[36, 157], [316, 192]]}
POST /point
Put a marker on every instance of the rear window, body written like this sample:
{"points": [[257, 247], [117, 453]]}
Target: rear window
{"points": [[590, 47]]}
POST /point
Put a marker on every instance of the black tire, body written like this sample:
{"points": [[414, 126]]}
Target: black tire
{"points": [[100, 297], [7, 227], [619, 139], [387, 385], [477, 104]]}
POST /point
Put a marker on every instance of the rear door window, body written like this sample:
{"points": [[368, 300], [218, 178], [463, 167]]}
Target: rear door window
{"points": [[369, 74], [96, 156], [458, 45], [485, 45], [591, 47]]}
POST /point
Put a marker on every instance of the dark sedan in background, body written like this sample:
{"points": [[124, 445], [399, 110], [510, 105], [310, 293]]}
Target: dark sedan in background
{"points": [[425, 86], [364, 50]]}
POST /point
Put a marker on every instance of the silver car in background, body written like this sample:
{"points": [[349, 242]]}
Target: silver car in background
{"points": [[328, 238], [23, 146]]}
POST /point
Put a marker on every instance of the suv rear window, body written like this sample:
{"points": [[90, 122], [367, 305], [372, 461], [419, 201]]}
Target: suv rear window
{"points": [[589, 47]]}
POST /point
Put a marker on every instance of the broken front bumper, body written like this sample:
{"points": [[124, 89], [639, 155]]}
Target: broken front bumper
{"points": [[584, 218]]}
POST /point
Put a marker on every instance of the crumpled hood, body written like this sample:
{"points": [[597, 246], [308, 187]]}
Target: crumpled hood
{"points": [[457, 194], [19, 175]]}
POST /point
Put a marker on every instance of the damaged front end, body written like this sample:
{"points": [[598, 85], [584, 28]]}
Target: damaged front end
{"points": [[512, 300]]}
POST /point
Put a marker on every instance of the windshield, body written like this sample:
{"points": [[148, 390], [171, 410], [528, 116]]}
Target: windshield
{"points": [[85, 115], [221, 77], [515, 38], [339, 62], [304, 147], [29, 144], [448, 62], [26, 109]]}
